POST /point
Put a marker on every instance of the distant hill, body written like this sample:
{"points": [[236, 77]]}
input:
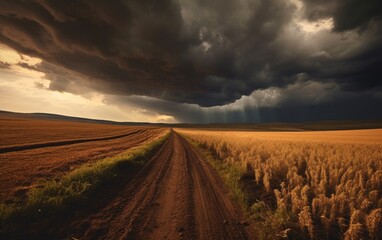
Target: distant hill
{"points": [[50, 116], [277, 126]]}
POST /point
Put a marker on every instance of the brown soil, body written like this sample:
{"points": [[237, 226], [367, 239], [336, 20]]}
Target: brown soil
{"points": [[15, 148], [177, 195], [26, 131], [20, 170]]}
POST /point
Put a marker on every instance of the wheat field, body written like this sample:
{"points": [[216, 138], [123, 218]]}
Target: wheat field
{"points": [[322, 185]]}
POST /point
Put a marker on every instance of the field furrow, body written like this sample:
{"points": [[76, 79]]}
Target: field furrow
{"points": [[176, 196], [15, 148], [21, 170]]}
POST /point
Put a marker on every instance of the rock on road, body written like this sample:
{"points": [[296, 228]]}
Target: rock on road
{"points": [[177, 195]]}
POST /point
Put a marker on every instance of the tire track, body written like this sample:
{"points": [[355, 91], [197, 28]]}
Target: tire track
{"points": [[63, 142], [177, 195]]}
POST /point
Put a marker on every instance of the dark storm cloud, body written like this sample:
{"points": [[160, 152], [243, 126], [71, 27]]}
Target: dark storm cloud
{"points": [[130, 46], [198, 52], [347, 14], [302, 101]]}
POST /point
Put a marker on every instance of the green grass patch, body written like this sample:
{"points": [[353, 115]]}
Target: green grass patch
{"points": [[75, 187], [268, 223], [231, 174]]}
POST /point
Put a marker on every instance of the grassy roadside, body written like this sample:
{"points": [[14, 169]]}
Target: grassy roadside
{"points": [[267, 223], [230, 174], [57, 196]]}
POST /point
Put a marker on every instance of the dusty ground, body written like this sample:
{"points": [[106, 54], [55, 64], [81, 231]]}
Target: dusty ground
{"points": [[177, 195], [23, 131], [20, 170]]}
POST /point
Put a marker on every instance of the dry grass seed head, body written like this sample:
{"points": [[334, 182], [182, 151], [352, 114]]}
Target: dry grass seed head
{"points": [[356, 232], [374, 223]]}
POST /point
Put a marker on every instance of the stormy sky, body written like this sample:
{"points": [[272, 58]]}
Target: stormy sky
{"points": [[193, 60]]}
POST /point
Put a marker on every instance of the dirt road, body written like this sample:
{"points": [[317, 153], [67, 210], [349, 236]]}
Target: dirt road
{"points": [[177, 195]]}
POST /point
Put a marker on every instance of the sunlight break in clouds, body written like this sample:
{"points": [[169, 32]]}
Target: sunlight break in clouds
{"points": [[195, 61], [310, 26], [313, 27], [27, 90]]}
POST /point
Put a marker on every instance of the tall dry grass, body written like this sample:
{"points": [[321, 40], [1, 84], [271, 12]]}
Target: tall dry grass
{"points": [[328, 183]]}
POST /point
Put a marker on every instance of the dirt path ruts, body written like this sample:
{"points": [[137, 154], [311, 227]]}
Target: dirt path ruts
{"points": [[177, 195]]}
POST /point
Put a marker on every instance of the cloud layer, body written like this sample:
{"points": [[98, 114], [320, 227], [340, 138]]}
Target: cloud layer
{"points": [[202, 53]]}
